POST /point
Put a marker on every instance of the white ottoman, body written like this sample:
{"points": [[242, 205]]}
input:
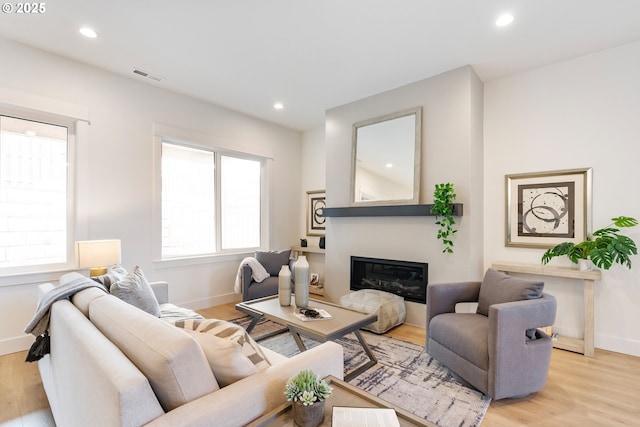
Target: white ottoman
{"points": [[390, 308]]}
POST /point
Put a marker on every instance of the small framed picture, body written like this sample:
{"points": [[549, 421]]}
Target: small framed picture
{"points": [[315, 212], [547, 208]]}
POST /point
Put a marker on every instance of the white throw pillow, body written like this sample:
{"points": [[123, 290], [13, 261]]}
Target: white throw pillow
{"points": [[230, 351]]}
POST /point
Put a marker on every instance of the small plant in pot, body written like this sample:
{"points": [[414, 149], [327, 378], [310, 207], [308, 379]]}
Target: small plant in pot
{"points": [[307, 393], [443, 197], [603, 248]]}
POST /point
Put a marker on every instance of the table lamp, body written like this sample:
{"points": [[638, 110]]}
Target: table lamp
{"points": [[96, 254]]}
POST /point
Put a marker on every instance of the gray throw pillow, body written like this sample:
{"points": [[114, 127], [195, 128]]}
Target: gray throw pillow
{"points": [[114, 274], [498, 287], [135, 290], [272, 261]]}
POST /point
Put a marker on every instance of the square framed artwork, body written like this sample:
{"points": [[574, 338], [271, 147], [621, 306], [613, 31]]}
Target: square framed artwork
{"points": [[316, 202], [548, 208]]}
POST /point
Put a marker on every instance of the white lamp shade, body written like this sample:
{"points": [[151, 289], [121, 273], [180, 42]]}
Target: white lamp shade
{"points": [[98, 253]]}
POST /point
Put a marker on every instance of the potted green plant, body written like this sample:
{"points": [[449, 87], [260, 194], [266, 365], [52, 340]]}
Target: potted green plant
{"points": [[604, 247], [442, 208], [307, 393]]}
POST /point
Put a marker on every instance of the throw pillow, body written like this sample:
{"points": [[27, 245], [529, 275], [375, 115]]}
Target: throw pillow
{"points": [[231, 352], [272, 261], [498, 287], [135, 290], [114, 274]]}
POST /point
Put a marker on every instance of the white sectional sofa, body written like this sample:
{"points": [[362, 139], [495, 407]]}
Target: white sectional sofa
{"points": [[112, 364]]}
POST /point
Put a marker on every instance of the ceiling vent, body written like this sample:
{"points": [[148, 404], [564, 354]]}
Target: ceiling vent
{"points": [[147, 75]]}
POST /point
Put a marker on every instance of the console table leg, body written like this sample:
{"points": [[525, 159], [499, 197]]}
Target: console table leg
{"points": [[589, 341]]}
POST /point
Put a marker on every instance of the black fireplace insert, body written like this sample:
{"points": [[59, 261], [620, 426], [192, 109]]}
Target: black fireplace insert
{"points": [[405, 278]]}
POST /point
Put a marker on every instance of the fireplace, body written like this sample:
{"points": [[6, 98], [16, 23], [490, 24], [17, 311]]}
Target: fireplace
{"points": [[404, 278]]}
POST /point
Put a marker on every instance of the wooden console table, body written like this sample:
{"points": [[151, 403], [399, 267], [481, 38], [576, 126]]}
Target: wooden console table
{"points": [[586, 345]]}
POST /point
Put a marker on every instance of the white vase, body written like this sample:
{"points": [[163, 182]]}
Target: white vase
{"points": [[585, 265], [302, 281], [284, 286]]}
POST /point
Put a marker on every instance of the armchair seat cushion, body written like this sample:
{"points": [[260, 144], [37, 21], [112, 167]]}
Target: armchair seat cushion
{"points": [[465, 334]]}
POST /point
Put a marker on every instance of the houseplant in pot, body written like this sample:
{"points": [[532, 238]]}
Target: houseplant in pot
{"points": [[443, 197], [307, 393], [603, 248]]}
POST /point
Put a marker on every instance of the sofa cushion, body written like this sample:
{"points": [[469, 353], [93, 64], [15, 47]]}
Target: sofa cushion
{"points": [[231, 352], [135, 290], [272, 261], [172, 361], [498, 288]]}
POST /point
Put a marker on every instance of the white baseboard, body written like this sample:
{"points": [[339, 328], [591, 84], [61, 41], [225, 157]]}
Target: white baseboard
{"points": [[618, 344], [16, 344]]}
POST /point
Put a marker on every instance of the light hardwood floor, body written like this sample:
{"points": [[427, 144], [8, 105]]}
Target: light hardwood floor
{"points": [[580, 391]]}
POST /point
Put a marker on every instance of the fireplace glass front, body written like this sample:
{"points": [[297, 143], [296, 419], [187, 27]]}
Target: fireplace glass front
{"points": [[405, 278]]}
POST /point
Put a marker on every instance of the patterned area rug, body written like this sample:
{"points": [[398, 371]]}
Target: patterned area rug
{"points": [[405, 375]]}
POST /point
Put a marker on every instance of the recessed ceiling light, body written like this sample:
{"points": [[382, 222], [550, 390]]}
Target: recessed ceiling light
{"points": [[88, 32], [278, 106], [389, 165], [504, 20]]}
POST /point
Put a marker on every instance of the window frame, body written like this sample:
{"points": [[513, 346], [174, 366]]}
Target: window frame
{"points": [[200, 141], [71, 207]]}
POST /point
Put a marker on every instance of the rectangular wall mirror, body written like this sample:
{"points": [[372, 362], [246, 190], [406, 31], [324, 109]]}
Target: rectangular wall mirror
{"points": [[385, 168]]}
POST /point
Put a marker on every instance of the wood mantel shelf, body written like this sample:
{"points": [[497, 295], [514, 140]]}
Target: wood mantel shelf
{"points": [[585, 346]]}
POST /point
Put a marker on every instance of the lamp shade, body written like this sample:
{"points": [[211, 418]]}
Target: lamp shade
{"points": [[98, 253]]}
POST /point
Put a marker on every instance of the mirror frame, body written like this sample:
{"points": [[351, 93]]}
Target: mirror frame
{"points": [[417, 160]]}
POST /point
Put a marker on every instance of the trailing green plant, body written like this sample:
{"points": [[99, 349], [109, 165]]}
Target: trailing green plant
{"points": [[307, 388], [442, 208], [604, 247]]}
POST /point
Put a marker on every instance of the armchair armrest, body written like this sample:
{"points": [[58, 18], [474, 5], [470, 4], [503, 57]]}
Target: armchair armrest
{"points": [[443, 297], [511, 355], [246, 279]]}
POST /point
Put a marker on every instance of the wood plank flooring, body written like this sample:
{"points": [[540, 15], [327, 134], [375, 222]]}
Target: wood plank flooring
{"points": [[580, 391]]}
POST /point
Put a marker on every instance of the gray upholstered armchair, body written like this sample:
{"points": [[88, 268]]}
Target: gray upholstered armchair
{"points": [[272, 261], [498, 349]]}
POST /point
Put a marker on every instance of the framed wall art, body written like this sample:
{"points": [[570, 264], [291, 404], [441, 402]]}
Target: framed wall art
{"points": [[547, 208], [315, 212]]}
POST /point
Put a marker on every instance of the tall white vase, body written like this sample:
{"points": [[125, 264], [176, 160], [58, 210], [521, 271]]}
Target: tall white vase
{"points": [[302, 282], [284, 286]]}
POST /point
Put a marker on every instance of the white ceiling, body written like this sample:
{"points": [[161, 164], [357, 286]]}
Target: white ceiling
{"points": [[314, 55]]}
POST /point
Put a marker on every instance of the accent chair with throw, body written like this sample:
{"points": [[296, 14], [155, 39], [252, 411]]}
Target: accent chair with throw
{"points": [[498, 349], [258, 276]]}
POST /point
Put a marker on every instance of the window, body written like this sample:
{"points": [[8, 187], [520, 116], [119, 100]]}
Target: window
{"points": [[34, 194], [210, 201]]}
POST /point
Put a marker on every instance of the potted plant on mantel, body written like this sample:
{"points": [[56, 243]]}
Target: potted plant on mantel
{"points": [[604, 248], [442, 208], [307, 393]]}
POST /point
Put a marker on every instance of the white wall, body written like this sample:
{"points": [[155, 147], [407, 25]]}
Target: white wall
{"points": [[115, 179], [313, 178], [451, 152], [574, 114]]}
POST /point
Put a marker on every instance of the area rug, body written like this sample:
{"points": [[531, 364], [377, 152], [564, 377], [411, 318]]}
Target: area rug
{"points": [[405, 375]]}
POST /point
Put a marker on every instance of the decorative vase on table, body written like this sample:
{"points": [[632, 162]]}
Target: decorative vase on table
{"points": [[284, 286], [301, 281], [308, 415]]}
